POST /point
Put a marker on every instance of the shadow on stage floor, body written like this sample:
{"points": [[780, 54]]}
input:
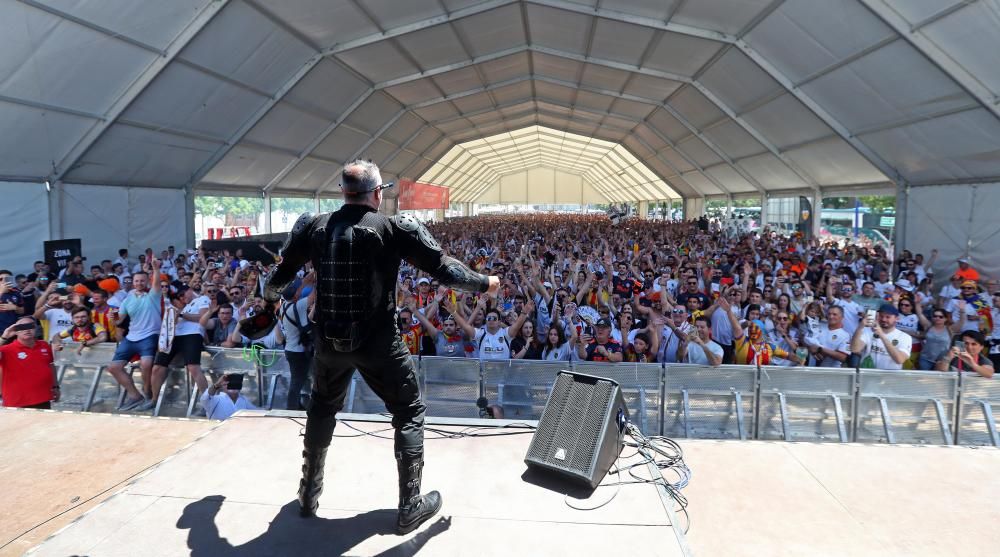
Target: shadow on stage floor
{"points": [[290, 534]]}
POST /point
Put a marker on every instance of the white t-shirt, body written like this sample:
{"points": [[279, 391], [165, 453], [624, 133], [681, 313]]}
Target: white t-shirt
{"points": [[290, 316], [495, 346], [851, 311], [971, 314], [775, 338], [882, 289], [669, 340], [838, 340], [562, 354], [948, 292], [219, 406], [59, 320], [876, 356], [617, 335], [185, 327], [908, 323], [268, 341], [696, 355]]}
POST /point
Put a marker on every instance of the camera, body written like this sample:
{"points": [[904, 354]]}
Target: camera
{"points": [[24, 327], [960, 344]]}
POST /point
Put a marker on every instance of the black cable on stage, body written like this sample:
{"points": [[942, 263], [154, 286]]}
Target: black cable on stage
{"points": [[671, 459]]}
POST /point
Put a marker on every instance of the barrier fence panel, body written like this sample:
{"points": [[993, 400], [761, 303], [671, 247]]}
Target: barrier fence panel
{"points": [[175, 396], [451, 386], [520, 387], [978, 409], [806, 404], [906, 406], [709, 402], [237, 360], [276, 377], [361, 399], [77, 373], [641, 386]]}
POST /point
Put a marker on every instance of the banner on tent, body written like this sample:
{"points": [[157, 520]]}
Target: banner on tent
{"points": [[59, 252], [414, 195]]}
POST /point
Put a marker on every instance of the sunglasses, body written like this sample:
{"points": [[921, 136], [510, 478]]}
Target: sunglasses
{"points": [[492, 318], [679, 311], [782, 318], [936, 316]]}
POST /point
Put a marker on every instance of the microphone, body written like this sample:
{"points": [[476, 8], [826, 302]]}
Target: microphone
{"points": [[484, 407]]}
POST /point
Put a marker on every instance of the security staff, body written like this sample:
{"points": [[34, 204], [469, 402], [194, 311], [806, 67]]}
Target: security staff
{"points": [[356, 253]]}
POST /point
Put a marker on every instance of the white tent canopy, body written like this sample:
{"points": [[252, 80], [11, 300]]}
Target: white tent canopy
{"points": [[612, 173], [716, 98]]}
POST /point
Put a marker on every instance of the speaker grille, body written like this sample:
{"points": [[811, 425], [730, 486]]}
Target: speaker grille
{"points": [[578, 409]]}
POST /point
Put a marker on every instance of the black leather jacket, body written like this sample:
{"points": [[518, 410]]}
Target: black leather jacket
{"points": [[381, 242]]}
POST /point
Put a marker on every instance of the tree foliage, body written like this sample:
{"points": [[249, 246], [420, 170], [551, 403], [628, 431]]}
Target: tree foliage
{"points": [[210, 206], [218, 207], [877, 203]]}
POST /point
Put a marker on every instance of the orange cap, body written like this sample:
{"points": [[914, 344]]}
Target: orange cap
{"points": [[109, 285]]}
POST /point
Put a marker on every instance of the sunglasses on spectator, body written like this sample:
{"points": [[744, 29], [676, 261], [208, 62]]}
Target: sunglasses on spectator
{"points": [[782, 318], [492, 318], [938, 316], [679, 311]]}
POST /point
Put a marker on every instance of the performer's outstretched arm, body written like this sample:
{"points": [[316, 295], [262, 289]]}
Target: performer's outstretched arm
{"points": [[420, 248], [294, 255]]}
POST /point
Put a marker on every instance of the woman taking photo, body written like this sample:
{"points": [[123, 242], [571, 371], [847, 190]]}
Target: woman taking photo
{"points": [[937, 338]]}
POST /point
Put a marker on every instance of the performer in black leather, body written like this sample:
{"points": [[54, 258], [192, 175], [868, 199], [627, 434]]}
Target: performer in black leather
{"points": [[356, 253]]}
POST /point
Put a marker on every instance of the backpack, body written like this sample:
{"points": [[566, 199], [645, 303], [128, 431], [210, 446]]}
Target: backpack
{"points": [[305, 331]]}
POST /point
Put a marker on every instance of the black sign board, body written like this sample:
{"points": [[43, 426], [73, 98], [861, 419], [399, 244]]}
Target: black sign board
{"points": [[58, 253]]}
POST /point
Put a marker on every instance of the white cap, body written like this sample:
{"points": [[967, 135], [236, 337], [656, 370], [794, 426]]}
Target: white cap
{"points": [[904, 284], [547, 284], [423, 280], [963, 259]]}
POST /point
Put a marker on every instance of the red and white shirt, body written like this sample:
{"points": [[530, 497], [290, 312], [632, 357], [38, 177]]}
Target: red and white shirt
{"points": [[27, 373]]}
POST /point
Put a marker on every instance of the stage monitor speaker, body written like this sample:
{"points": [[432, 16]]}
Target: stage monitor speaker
{"points": [[580, 434]]}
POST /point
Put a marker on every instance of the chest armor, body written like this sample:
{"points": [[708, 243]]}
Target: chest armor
{"points": [[349, 285]]}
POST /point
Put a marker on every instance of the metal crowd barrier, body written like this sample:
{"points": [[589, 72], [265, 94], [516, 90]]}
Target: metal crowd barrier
{"points": [[906, 406], [709, 403], [978, 406], [678, 400], [812, 404]]}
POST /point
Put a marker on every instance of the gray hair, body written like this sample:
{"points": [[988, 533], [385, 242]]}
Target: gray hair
{"points": [[360, 177]]}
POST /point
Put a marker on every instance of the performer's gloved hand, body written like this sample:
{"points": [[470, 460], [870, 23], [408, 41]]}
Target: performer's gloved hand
{"points": [[271, 295]]}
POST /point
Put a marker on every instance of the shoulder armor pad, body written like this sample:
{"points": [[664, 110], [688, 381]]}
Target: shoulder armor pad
{"points": [[407, 223], [298, 230], [412, 226], [302, 223]]}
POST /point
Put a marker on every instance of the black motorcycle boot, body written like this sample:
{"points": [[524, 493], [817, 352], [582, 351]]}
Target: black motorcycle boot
{"points": [[414, 508], [311, 484]]}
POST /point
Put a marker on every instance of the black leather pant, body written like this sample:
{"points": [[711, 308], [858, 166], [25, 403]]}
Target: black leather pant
{"points": [[385, 364]]}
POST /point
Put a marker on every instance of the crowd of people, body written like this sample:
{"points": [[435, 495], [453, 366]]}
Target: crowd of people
{"points": [[574, 287]]}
